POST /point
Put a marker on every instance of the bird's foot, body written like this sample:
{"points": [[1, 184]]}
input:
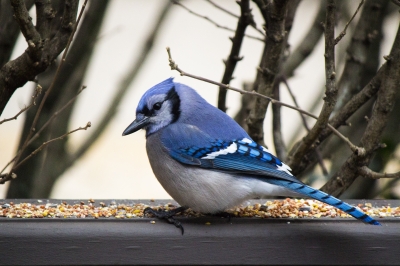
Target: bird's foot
{"points": [[167, 215]]}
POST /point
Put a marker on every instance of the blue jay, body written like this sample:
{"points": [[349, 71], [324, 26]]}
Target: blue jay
{"points": [[206, 161]]}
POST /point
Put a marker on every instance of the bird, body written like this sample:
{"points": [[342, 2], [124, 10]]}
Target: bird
{"points": [[207, 162]]}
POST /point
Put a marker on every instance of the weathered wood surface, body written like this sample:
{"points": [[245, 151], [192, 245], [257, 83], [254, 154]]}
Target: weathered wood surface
{"points": [[239, 241]]}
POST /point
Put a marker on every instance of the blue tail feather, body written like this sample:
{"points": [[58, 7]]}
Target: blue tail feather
{"points": [[326, 198]]}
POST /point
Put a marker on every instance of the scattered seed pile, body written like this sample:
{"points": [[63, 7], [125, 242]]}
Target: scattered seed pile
{"points": [[287, 208]]}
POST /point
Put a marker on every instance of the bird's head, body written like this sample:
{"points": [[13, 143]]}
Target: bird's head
{"points": [[158, 107]]}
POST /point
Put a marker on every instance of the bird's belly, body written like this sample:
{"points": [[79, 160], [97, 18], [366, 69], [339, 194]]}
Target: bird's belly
{"points": [[204, 190]]}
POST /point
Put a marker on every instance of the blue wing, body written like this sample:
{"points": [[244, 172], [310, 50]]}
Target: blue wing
{"points": [[243, 156]]}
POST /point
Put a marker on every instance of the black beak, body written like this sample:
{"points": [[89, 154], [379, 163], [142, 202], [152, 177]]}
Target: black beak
{"points": [[136, 125]]}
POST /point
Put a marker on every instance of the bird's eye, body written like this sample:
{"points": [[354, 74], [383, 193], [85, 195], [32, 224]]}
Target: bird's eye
{"points": [[157, 106]]}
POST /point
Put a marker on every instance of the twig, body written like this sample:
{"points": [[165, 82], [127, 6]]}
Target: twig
{"points": [[29, 31], [366, 172], [274, 46], [43, 127], [38, 90], [307, 45], [51, 86], [211, 21], [280, 147], [362, 56], [343, 33], [7, 177], [127, 79], [223, 9], [233, 58], [48, 142], [303, 119], [174, 66], [381, 110], [253, 24], [331, 91]]}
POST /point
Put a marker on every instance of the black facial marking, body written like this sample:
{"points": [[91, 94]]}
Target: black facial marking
{"points": [[146, 111], [173, 97]]}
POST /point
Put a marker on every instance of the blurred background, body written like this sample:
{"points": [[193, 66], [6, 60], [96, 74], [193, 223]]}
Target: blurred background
{"points": [[117, 167]]}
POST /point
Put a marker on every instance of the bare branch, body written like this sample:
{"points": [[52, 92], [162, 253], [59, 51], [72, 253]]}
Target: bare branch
{"points": [[174, 66], [331, 92], [19, 153], [9, 30], [44, 15], [280, 147], [123, 87], [48, 142], [38, 90], [212, 21], [28, 139], [362, 53], [343, 33], [7, 177], [29, 31], [40, 53], [366, 172], [376, 123], [308, 43], [303, 119], [275, 44], [230, 64], [345, 113], [252, 24]]}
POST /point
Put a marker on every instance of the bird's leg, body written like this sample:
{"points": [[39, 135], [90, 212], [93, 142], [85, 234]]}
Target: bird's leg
{"points": [[167, 215]]}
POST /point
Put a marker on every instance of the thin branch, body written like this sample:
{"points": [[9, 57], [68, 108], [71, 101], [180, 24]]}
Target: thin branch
{"points": [[297, 154], [43, 127], [40, 53], [308, 43], [29, 31], [303, 119], [280, 147], [366, 172], [253, 24], [211, 21], [274, 46], [340, 118], [230, 63], [382, 108], [123, 86], [223, 9], [48, 142], [7, 177], [174, 66], [362, 57], [343, 33], [38, 90], [28, 139]]}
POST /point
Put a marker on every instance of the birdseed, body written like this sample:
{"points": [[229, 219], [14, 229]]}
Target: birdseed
{"points": [[287, 208]]}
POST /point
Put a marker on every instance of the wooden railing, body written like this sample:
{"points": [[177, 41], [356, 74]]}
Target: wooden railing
{"points": [[207, 240]]}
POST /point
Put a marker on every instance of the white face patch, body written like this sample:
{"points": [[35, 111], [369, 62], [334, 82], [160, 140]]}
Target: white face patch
{"points": [[230, 149], [162, 117]]}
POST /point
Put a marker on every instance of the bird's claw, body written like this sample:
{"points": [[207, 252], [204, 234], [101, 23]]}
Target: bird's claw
{"points": [[167, 215]]}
